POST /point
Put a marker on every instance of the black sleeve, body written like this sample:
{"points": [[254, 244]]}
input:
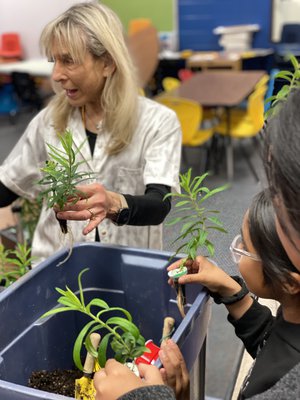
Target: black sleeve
{"points": [[6, 196], [253, 326], [158, 392], [150, 208]]}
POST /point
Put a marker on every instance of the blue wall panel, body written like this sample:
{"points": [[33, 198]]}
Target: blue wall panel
{"points": [[198, 18]]}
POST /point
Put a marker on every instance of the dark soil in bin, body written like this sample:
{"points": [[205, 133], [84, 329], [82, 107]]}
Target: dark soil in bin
{"points": [[57, 381]]}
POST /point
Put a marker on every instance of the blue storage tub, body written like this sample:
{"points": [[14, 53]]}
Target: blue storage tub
{"points": [[126, 277]]}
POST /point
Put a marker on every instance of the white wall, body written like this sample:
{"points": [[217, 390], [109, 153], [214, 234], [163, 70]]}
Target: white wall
{"points": [[28, 17]]}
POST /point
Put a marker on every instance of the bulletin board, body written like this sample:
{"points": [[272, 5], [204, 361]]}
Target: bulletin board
{"points": [[161, 12]]}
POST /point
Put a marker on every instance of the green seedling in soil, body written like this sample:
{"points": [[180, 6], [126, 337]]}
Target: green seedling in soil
{"points": [[119, 331]]}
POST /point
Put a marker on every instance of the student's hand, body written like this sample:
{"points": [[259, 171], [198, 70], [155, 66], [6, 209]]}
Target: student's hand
{"points": [[202, 271], [116, 379], [93, 205], [174, 371]]}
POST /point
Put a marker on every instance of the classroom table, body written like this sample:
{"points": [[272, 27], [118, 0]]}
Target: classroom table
{"points": [[34, 67], [219, 88], [224, 59]]}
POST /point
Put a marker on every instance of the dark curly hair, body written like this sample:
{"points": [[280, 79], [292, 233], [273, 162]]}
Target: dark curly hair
{"points": [[262, 230]]}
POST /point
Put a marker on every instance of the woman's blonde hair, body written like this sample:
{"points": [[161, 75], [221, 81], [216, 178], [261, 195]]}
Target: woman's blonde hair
{"points": [[94, 28]]}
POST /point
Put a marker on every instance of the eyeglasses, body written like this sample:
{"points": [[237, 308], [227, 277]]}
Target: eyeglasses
{"points": [[237, 252]]}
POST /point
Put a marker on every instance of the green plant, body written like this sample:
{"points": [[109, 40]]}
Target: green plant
{"points": [[14, 263], [28, 212], [292, 82], [61, 175], [197, 221], [122, 334], [29, 215]]}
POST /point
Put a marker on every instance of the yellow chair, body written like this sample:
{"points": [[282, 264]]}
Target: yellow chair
{"points": [[246, 123], [190, 115], [169, 83], [263, 81]]}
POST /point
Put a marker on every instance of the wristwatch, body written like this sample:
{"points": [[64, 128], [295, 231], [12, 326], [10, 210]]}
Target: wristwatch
{"points": [[234, 298], [121, 217]]}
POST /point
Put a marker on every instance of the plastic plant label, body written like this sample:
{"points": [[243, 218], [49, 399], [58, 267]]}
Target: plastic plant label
{"points": [[177, 273]]}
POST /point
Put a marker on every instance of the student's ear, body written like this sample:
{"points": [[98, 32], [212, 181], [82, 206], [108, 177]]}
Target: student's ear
{"points": [[109, 66], [294, 287]]}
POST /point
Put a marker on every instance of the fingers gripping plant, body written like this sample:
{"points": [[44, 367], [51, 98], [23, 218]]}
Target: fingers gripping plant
{"points": [[197, 223], [123, 335]]}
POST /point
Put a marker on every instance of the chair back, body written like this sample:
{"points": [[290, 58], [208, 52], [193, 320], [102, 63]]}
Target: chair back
{"points": [[263, 81], [10, 45], [290, 33], [143, 47], [256, 106], [169, 83], [185, 74], [26, 90], [189, 114], [271, 85]]}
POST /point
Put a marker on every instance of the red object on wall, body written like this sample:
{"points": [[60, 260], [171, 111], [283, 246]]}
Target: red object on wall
{"points": [[149, 358]]}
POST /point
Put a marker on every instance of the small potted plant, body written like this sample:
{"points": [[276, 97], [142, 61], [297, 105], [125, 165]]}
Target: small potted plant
{"points": [[120, 332], [197, 222]]}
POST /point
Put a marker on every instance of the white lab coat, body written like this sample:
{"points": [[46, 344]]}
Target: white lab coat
{"points": [[152, 157]]}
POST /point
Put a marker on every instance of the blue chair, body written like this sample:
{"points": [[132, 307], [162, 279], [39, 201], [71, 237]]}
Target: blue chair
{"points": [[290, 33], [270, 89], [8, 101]]}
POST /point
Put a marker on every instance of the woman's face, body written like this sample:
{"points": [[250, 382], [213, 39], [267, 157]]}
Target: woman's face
{"points": [[252, 270], [82, 83]]}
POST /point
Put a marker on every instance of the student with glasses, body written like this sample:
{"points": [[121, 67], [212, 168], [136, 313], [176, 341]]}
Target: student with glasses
{"points": [[263, 263]]}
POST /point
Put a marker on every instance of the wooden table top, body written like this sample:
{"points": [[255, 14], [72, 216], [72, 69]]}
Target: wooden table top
{"points": [[218, 88]]}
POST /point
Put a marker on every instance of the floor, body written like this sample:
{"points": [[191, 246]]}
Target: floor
{"points": [[224, 351]]}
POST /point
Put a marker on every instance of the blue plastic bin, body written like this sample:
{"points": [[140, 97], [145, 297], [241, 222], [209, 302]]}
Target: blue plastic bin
{"points": [[130, 278]]}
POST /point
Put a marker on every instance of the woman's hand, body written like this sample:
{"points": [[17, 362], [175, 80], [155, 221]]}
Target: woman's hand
{"points": [[93, 205], [174, 371], [202, 271], [115, 379]]}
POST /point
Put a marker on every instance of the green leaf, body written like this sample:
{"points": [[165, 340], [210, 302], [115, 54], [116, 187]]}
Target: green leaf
{"points": [[103, 349], [56, 311], [181, 203], [78, 344], [210, 247], [125, 325], [294, 61], [98, 303]]}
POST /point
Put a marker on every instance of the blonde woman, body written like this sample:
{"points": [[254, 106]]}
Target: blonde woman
{"points": [[133, 144]]}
